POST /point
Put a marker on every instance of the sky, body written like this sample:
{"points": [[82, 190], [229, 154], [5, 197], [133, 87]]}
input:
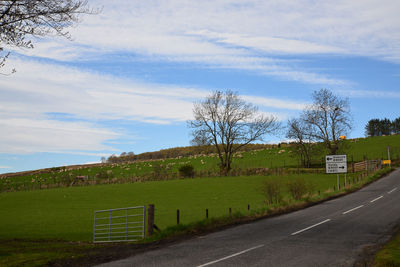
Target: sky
{"points": [[129, 78]]}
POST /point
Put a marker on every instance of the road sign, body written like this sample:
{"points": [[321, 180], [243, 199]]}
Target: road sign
{"points": [[336, 163]]}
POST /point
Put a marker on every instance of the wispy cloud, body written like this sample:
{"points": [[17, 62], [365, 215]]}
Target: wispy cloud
{"points": [[268, 45], [216, 35], [5, 167], [90, 96], [370, 94], [275, 103], [22, 136], [62, 112]]}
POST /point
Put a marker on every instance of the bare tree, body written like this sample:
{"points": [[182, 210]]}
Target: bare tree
{"points": [[229, 123], [300, 131], [329, 118], [20, 19]]}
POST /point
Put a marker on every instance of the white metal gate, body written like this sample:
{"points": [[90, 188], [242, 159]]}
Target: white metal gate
{"points": [[116, 225]]}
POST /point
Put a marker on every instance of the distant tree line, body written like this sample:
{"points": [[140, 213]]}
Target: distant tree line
{"points": [[377, 127]]}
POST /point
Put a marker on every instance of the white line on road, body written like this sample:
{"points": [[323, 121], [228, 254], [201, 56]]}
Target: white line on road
{"points": [[230, 256], [391, 191], [353, 209], [372, 201], [305, 229]]}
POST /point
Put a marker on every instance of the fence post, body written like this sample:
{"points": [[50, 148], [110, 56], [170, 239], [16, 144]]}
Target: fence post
{"points": [[150, 219], [230, 211], [177, 216], [206, 213]]}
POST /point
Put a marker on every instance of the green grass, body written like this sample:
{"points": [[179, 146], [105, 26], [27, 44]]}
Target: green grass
{"points": [[39, 252], [358, 149], [374, 147], [389, 256], [67, 213]]}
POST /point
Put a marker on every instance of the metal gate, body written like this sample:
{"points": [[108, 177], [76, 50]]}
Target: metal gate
{"points": [[116, 225]]}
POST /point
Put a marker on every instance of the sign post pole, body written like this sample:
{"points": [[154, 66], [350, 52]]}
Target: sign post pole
{"points": [[338, 182]]}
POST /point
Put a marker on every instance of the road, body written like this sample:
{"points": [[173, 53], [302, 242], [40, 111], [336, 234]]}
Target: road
{"points": [[332, 233]]}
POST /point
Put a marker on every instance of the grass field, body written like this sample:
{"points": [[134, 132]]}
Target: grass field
{"points": [[358, 149], [67, 213]]}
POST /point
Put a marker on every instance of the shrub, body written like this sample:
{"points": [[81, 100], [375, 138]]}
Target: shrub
{"points": [[102, 174], [66, 179], [159, 172], [311, 187], [186, 170], [297, 188], [272, 191]]}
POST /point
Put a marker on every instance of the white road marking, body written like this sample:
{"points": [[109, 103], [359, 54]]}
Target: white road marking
{"points": [[295, 233], [372, 201], [353, 209], [305, 229], [391, 191], [230, 256]]}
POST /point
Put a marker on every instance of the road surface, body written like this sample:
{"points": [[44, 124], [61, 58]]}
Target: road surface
{"points": [[332, 233]]}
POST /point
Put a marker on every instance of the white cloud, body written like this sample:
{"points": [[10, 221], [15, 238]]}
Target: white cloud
{"points": [[369, 94], [87, 95], [237, 28], [270, 45], [247, 35], [29, 135], [5, 167], [62, 112], [275, 103]]}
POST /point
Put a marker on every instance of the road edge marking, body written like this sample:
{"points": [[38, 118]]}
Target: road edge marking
{"points": [[231, 256], [305, 229]]}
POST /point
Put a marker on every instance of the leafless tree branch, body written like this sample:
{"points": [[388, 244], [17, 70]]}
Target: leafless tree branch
{"points": [[229, 123], [20, 19]]}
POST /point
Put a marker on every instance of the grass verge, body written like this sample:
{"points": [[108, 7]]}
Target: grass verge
{"points": [[21, 252], [389, 255]]}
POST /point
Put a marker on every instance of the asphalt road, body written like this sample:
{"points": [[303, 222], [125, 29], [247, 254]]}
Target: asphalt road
{"points": [[333, 233]]}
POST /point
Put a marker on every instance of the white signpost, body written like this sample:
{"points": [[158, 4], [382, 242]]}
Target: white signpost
{"points": [[336, 164]]}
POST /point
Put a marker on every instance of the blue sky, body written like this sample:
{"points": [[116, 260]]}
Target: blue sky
{"points": [[128, 80]]}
